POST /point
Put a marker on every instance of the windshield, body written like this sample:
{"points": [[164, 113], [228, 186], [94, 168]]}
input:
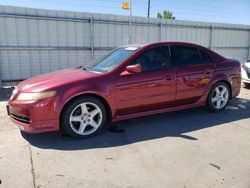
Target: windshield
{"points": [[111, 60]]}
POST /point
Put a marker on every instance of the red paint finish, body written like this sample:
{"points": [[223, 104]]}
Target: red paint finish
{"points": [[128, 95], [139, 92], [192, 81]]}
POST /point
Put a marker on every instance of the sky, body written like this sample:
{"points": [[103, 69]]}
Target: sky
{"points": [[224, 11]]}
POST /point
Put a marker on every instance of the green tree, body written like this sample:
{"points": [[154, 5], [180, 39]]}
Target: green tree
{"points": [[166, 15]]}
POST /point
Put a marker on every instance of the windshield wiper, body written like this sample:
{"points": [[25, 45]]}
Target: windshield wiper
{"points": [[83, 68]]}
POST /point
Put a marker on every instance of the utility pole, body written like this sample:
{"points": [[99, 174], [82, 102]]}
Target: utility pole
{"points": [[128, 6], [130, 21], [148, 8]]}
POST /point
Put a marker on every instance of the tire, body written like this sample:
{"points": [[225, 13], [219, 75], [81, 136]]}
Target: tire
{"points": [[84, 117], [218, 97]]}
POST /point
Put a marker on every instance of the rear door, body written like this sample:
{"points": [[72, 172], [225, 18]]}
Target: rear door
{"points": [[193, 73]]}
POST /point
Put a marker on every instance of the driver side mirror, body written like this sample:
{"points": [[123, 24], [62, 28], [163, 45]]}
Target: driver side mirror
{"points": [[132, 69]]}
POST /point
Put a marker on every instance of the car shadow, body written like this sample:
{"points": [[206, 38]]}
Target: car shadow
{"points": [[177, 124]]}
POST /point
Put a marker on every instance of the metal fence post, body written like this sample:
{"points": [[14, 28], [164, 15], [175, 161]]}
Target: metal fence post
{"points": [[211, 37], [91, 37], [160, 36], [248, 53]]}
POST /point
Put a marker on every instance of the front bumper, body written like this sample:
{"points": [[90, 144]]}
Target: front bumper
{"points": [[36, 127], [34, 116], [245, 76], [244, 80]]}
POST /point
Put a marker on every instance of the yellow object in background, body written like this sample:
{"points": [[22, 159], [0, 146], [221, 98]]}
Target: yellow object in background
{"points": [[125, 5]]}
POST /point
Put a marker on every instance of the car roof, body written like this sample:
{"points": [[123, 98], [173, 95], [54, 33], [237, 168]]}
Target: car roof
{"points": [[141, 45], [215, 56]]}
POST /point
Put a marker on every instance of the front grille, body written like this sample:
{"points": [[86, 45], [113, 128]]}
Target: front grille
{"points": [[20, 118]]}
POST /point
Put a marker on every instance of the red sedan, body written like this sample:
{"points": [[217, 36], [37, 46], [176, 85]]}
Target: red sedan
{"points": [[130, 81]]}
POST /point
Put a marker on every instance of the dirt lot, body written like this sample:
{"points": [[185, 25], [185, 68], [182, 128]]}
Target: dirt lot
{"points": [[191, 148]]}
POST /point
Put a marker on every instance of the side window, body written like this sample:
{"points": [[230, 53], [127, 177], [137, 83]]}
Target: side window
{"points": [[184, 55], [154, 59], [204, 57]]}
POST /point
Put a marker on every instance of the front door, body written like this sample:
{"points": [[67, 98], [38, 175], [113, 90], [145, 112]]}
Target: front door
{"points": [[153, 88]]}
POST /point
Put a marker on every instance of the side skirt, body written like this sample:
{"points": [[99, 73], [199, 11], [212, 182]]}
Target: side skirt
{"points": [[147, 113]]}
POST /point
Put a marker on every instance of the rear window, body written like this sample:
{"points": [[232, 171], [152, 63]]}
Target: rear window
{"points": [[204, 57], [184, 55]]}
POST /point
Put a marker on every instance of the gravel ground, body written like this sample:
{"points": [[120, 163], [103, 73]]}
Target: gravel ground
{"points": [[190, 148]]}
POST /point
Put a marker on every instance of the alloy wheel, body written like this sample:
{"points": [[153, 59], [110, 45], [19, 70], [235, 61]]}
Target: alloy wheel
{"points": [[220, 97], [85, 118]]}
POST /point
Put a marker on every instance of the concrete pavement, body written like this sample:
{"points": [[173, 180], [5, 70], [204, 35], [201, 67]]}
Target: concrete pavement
{"points": [[191, 148]]}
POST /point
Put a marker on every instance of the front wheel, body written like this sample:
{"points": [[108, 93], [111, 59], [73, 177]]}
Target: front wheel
{"points": [[84, 117], [218, 97]]}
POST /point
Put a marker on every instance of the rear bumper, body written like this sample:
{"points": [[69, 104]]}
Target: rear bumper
{"points": [[236, 85]]}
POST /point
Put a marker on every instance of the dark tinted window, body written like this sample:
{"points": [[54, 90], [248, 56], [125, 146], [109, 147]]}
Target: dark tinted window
{"points": [[184, 55], [205, 58], [154, 59]]}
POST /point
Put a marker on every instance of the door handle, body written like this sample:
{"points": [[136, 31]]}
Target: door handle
{"points": [[168, 77], [208, 71], [152, 85]]}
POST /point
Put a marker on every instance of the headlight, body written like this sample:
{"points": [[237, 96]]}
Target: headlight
{"points": [[35, 96]]}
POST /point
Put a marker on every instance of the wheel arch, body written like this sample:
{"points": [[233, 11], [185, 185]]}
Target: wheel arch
{"points": [[102, 99], [228, 84], [218, 81]]}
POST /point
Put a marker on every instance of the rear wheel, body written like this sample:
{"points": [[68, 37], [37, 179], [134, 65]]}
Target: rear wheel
{"points": [[84, 117], [218, 97]]}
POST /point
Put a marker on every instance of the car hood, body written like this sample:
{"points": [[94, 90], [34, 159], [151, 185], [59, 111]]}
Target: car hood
{"points": [[54, 79]]}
